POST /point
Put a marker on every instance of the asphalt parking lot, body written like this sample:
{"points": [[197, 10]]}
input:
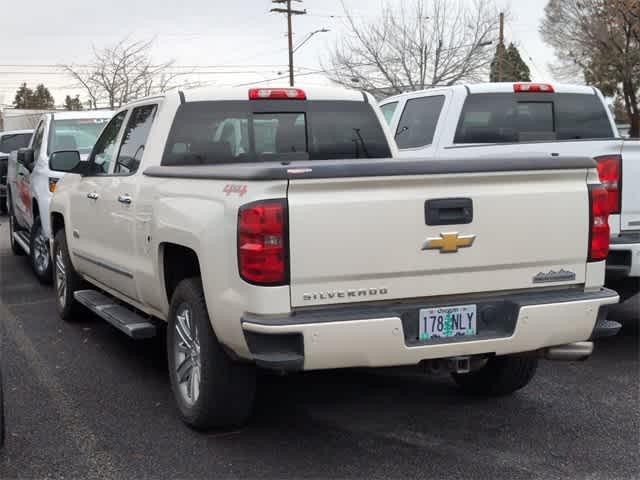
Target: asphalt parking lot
{"points": [[84, 401]]}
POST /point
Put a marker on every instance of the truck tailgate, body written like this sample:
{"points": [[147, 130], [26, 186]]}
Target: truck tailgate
{"points": [[630, 211], [362, 239]]}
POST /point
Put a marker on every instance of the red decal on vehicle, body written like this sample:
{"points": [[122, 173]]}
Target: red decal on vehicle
{"points": [[235, 188], [23, 192]]}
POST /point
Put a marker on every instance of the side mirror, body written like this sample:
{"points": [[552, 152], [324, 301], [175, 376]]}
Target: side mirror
{"points": [[25, 158], [66, 161]]}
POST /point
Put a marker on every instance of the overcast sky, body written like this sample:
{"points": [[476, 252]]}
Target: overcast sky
{"points": [[237, 41]]}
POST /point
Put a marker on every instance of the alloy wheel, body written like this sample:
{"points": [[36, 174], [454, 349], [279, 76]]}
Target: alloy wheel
{"points": [[187, 355], [41, 251], [61, 279]]}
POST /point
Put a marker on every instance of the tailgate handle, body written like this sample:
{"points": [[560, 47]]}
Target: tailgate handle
{"points": [[448, 211]]}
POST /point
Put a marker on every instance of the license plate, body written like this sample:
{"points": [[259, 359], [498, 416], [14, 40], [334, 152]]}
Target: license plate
{"points": [[446, 322]]}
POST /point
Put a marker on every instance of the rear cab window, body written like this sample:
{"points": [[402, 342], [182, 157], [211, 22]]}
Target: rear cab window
{"points": [[217, 132], [526, 117]]}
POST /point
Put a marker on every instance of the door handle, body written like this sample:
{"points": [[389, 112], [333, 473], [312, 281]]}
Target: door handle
{"points": [[93, 195], [126, 199]]}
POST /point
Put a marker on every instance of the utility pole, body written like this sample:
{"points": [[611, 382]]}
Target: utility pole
{"points": [[501, 48], [290, 12]]}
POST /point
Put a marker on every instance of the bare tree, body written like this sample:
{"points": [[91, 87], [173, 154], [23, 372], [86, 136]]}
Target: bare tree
{"points": [[122, 73], [419, 44], [598, 40]]}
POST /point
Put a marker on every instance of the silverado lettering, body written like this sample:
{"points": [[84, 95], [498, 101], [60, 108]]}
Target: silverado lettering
{"points": [[361, 292]]}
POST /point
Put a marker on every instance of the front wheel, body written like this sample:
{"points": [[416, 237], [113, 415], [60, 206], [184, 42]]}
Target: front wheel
{"points": [[211, 390], [500, 375], [66, 280], [40, 257]]}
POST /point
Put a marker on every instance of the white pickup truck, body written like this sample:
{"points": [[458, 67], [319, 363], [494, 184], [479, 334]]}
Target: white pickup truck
{"points": [[272, 228], [30, 183], [502, 119]]}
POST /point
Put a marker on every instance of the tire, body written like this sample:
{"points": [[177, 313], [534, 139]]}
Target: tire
{"points": [[3, 206], [15, 248], [500, 376], [40, 255], [66, 280], [223, 390]]}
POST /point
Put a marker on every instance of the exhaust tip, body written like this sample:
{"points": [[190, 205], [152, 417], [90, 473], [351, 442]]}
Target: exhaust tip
{"points": [[569, 352]]}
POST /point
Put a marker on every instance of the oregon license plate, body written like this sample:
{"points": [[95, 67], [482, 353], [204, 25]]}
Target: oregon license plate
{"points": [[445, 322]]}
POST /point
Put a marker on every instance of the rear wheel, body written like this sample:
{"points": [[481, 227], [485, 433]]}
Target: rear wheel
{"points": [[66, 280], [40, 257], [499, 376], [211, 390]]}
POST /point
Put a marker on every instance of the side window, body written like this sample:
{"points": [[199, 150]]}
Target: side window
{"points": [[37, 140], [419, 121], [105, 148], [388, 111], [134, 139]]}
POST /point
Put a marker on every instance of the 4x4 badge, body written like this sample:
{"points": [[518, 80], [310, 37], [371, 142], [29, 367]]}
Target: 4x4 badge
{"points": [[448, 242]]}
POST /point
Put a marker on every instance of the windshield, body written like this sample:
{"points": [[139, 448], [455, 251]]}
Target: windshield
{"points": [[13, 141], [76, 134], [240, 131]]}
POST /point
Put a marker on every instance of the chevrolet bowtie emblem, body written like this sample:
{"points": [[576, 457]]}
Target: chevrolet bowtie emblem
{"points": [[448, 242]]}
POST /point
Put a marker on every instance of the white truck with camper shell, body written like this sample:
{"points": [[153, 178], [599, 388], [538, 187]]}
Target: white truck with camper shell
{"points": [[273, 228], [30, 182], [501, 119]]}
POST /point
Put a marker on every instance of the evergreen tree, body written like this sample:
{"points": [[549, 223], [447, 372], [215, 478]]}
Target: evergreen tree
{"points": [[73, 103], [24, 97], [40, 98], [514, 69]]}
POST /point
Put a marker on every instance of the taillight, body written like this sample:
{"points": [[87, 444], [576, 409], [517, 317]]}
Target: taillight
{"points": [[263, 255], [599, 221], [610, 172], [277, 94], [532, 87]]}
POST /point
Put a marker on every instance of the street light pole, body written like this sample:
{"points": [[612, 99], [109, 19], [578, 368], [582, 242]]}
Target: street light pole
{"points": [[308, 37]]}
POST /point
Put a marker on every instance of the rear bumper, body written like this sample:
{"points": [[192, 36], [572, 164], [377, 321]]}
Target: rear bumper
{"points": [[624, 256], [386, 335]]}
